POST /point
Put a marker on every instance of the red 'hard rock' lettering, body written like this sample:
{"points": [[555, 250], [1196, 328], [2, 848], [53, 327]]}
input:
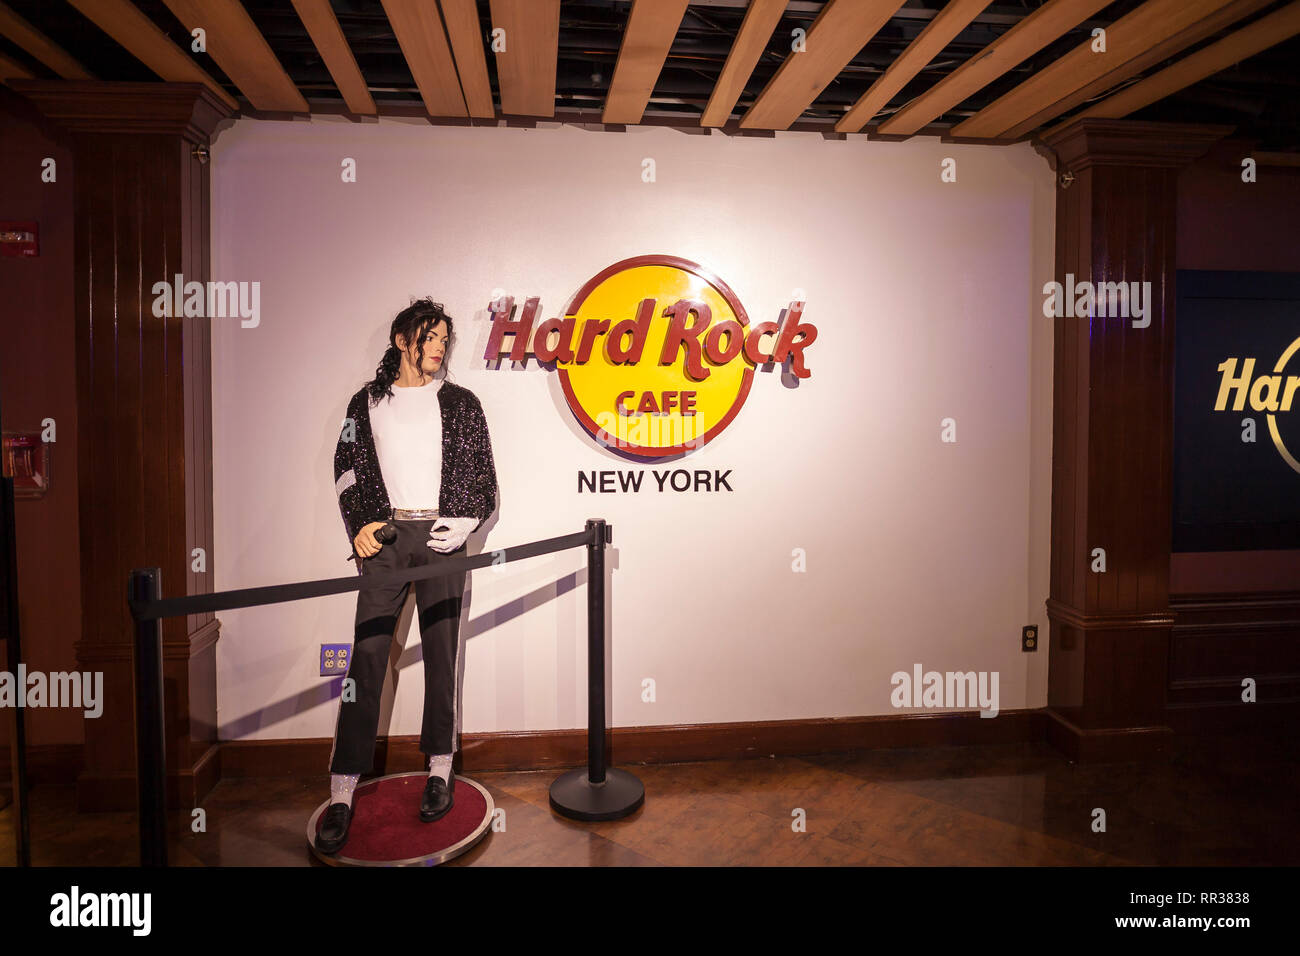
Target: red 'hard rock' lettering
{"points": [[625, 339]]}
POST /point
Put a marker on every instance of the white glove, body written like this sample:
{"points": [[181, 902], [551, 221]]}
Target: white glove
{"points": [[448, 534]]}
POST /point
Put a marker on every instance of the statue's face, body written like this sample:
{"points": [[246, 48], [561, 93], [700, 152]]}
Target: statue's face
{"points": [[435, 348]]}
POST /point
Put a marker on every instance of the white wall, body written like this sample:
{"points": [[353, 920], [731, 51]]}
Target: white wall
{"points": [[926, 298]]}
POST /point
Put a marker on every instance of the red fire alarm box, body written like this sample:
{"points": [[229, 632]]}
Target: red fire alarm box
{"points": [[18, 238]]}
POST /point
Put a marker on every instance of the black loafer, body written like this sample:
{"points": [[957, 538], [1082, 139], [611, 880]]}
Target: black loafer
{"points": [[438, 797], [334, 828]]}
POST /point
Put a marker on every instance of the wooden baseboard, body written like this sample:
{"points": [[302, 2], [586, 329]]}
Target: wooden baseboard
{"points": [[556, 749], [541, 750], [119, 791], [46, 763], [1265, 718], [1105, 745]]}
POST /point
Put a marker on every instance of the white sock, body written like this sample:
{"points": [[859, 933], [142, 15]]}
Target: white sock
{"points": [[341, 787], [441, 765]]}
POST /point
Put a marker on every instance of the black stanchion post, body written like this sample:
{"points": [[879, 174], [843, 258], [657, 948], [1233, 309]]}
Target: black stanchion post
{"points": [[599, 792], [150, 754], [596, 651], [13, 655]]}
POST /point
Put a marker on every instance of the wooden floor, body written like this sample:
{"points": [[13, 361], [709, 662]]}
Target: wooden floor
{"points": [[1217, 800]]}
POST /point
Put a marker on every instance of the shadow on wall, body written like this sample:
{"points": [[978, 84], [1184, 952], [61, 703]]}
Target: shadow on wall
{"points": [[401, 658]]}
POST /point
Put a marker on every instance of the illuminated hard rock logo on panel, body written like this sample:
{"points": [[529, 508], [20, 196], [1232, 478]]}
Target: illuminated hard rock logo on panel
{"points": [[655, 354], [1274, 394]]}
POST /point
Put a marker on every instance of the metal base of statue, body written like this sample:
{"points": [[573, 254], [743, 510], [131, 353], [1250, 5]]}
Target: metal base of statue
{"points": [[574, 795], [386, 828]]}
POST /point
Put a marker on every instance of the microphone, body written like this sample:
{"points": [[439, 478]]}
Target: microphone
{"points": [[385, 535]]}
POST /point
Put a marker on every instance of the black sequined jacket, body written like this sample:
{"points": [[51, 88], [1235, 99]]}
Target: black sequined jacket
{"points": [[469, 477]]}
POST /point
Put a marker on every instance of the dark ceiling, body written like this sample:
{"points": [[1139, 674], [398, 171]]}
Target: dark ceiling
{"points": [[1259, 96]]}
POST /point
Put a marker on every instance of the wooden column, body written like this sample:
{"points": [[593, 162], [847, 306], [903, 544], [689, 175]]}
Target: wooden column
{"points": [[1112, 449], [143, 396]]}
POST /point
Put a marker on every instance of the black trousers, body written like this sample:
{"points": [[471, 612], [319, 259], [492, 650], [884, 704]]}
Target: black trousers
{"points": [[438, 600]]}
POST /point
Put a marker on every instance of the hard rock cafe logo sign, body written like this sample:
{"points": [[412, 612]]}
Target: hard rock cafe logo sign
{"points": [[1272, 394], [655, 354]]}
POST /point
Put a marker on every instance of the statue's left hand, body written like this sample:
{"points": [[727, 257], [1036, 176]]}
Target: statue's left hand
{"points": [[448, 534]]}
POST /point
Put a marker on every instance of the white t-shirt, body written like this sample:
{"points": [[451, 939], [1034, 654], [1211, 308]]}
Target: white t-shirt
{"points": [[408, 440]]}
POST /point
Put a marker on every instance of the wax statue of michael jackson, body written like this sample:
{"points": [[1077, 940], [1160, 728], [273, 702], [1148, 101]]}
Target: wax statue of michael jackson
{"points": [[414, 457]]}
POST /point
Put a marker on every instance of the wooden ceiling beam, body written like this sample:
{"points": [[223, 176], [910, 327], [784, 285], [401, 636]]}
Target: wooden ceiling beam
{"points": [[526, 67], [461, 19], [236, 44], [761, 18], [647, 38], [33, 41], [418, 27], [1269, 158], [1154, 22], [841, 30], [1265, 32], [931, 41], [323, 28], [136, 33], [1012, 48], [1156, 54], [13, 70]]}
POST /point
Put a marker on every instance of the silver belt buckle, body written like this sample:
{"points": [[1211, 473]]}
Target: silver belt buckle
{"points": [[414, 514]]}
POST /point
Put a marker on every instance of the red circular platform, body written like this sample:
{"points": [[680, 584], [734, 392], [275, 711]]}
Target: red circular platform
{"points": [[386, 828]]}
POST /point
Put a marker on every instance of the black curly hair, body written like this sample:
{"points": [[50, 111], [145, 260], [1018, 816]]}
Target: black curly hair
{"points": [[414, 322]]}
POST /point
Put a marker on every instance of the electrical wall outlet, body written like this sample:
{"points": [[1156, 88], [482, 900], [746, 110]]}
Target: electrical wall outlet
{"points": [[1029, 637], [334, 659]]}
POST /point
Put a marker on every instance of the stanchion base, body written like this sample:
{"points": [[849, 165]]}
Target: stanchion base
{"points": [[576, 797]]}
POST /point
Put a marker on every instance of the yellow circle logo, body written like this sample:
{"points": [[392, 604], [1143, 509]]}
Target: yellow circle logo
{"points": [[1278, 369], [666, 378]]}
